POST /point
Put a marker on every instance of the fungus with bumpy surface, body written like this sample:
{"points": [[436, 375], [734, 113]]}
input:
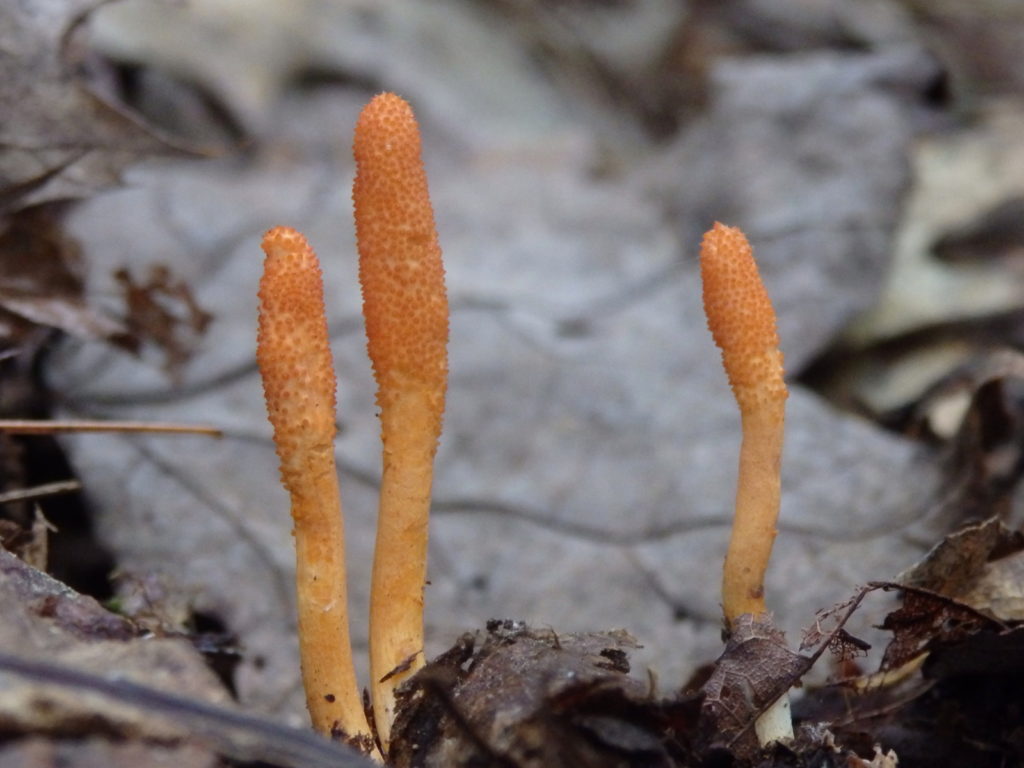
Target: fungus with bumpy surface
{"points": [[299, 385], [406, 310], [742, 322]]}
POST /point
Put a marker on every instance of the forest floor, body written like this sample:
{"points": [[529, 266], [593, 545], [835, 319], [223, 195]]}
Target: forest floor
{"points": [[873, 152]]}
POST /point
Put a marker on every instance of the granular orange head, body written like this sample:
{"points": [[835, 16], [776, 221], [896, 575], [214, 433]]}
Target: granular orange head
{"points": [[293, 352], [400, 268], [740, 317]]}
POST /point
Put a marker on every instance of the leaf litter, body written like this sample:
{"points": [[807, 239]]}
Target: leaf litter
{"points": [[953, 635]]}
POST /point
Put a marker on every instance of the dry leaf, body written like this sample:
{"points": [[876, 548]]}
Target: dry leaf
{"points": [[60, 140], [73, 671], [516, 696], [42, 283], [756, 669]]}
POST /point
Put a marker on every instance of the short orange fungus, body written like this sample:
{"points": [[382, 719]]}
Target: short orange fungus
{"points": [[742, 322], [299, 386]]}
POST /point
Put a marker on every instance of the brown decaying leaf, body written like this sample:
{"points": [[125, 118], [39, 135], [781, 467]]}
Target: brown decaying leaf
{"points": [[999, 589], [531, 698], [947, 686], [946, 598], [949, 692], [956, 565], [756, 669], [29, 544], [161, 310], [985, 461], [41, 282], [953, 656], [926, 618]]}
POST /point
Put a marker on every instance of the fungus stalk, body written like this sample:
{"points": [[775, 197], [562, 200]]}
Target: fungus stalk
{"points": [[742, 322], [299, 385], [406, 310]]}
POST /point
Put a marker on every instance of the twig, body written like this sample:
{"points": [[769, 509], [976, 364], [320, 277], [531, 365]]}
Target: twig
{"points": [[40, 491], [46, 427]]}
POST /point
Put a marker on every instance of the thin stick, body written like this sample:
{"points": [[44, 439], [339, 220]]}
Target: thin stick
{"points": [[31, 427], [40, 491]]}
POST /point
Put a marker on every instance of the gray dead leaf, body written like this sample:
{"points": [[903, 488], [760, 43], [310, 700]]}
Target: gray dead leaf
{"points": [[97, 752], [999, 590], [960, 178], [47, 621], [980, 566], [808, 155], [61, 140], [585, 478], [82, 676], [252, 52]]}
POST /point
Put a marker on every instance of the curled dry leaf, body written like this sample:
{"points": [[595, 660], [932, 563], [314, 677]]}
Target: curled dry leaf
{"points": [[953, 566], [981, 565], [754, 671]]}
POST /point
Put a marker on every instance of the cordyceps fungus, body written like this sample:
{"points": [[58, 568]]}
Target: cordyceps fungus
{"points": [[742, 322], [299, 385], [406, 311]]}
